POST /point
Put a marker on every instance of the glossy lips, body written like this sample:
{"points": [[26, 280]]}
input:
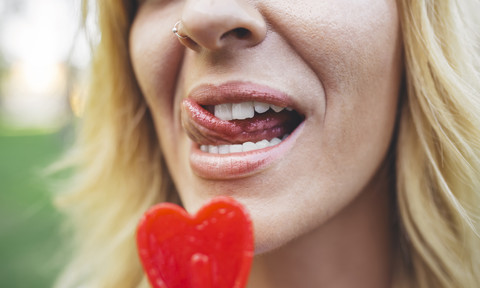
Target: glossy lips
{"points": [[204, 128], [216, 152], [214, 248]]}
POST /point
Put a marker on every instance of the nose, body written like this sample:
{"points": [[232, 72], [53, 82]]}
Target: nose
{"points": [[221, 24]]}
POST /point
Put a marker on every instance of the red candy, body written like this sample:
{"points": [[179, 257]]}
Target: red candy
{"points": [[213, 249]]}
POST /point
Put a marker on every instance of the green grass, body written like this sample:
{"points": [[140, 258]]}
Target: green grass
{"points": [[29, 225]]}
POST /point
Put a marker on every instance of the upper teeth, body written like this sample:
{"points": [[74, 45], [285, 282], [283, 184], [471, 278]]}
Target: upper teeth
{"points": [[243, 110]]}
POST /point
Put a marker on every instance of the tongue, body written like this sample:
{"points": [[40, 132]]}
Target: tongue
{"points": [[206, 129]]}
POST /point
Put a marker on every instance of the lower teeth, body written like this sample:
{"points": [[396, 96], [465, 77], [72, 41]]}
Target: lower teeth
{"points": [[245, 147]]}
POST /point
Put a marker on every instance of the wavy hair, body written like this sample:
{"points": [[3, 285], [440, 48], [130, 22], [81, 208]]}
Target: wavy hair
{"points": [[119, 171], [438, 151]]}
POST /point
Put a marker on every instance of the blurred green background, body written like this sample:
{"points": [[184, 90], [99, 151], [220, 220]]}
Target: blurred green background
{"points": [[44, 53], [30, 242]]}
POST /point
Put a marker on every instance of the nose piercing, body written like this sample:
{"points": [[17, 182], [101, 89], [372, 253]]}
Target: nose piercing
{"points": [[175, 31]]}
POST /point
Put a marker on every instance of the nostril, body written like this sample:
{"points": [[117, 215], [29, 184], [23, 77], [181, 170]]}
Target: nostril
{"points": [[242, 33], [239, 33]]}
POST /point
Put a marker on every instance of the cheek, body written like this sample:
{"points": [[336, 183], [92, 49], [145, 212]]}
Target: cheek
{"points": [[354, 49], [361, 108], [156, 55], [345, 42]]}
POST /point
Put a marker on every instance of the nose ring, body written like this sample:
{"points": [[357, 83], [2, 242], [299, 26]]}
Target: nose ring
{"points": [[175, 31]]}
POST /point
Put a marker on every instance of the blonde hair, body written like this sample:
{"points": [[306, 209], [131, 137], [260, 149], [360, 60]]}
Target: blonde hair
{"points": [[438, 154], [119, 171], [118, 168]]}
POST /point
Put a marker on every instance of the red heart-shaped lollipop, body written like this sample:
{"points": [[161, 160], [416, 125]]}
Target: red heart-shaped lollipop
{"points": [[213, 249]]}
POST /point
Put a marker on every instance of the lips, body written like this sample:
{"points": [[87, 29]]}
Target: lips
{"points": [[241, 143], [206, 129]]}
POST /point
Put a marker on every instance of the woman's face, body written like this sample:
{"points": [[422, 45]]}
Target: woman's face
{"points": [[335, 64]]}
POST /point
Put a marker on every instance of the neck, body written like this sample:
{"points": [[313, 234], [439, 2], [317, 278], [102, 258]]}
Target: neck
{"points": [[353, 249]]}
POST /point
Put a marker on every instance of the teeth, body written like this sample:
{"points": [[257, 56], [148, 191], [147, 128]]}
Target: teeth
{"points": [[273, 142], [244, 110], [245, 147], [224, 111], [236, 148], [223, 149], [261, 107], [276, 108], [249, 146], [212, 149], [262, 144]]}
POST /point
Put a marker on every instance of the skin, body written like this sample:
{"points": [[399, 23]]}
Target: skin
{"points": [[322, 215]]}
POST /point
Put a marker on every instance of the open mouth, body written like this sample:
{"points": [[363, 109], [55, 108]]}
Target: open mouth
{"points": [[257, 125], [238, 127]]}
